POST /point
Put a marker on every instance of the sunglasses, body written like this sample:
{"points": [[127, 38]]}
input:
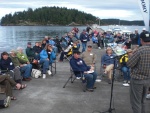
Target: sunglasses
{"points": [[89, 46]]}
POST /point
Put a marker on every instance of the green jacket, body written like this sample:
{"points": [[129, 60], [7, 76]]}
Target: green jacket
{"points": [[22, 58], [15, 61], [30, 52]]}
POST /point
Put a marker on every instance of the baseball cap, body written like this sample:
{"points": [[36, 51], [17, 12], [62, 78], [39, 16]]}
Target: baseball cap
{"points": [[76, 51], [145, 36]]}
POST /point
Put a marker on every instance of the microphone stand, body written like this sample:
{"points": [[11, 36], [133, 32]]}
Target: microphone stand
{"points": [[112, 86], [110, 110]]}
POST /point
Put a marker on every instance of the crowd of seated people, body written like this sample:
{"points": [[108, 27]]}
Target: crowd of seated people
{"points": [[102, 38], [45, 53], [15, 67]]}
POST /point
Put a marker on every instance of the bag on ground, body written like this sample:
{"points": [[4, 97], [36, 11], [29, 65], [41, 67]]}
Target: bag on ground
{"points": [[36, 73]]}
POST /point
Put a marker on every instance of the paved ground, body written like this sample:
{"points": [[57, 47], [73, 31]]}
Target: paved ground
{"points": [[49, 96]]}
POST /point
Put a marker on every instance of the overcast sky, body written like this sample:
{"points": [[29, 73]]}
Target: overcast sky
{"points": [[120, 9]]}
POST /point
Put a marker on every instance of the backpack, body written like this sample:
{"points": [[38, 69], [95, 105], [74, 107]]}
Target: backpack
{"points": [[36, 73]]}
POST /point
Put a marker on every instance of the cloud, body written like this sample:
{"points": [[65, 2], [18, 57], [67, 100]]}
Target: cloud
{"points": [[127, 9]]}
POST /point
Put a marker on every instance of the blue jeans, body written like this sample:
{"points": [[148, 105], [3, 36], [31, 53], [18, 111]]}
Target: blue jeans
{"points": [[45, 65], [26, 70], [126, 72], [84, 46], [91, 77]]}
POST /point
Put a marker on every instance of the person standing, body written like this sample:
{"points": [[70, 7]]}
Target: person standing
{"points": [[84, 38], [135, 40], [139, 63]]}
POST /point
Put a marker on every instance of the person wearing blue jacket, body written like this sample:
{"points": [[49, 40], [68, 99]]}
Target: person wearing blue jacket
{"points": [[80, 68], [47, 57], [44, 60], [94, 39], [51, 54], [107, 62]]}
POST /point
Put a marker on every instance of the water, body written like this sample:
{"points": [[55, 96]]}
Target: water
{"points": [[12, 37]]}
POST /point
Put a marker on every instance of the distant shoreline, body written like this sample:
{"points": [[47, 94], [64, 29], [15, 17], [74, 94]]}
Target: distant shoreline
{"points": [[65, 25]]}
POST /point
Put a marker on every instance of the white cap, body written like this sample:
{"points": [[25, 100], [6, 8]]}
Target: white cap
{"points": [[144, 29]]}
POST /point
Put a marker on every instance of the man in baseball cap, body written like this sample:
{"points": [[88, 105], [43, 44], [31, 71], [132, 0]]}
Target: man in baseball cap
{"points": [[139, 63]]}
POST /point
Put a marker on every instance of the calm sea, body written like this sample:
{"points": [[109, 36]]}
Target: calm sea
{"points": [[12, 37]]}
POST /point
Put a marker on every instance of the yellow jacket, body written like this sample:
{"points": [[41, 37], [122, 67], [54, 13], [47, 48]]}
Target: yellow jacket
{"points": [[124, 59]]}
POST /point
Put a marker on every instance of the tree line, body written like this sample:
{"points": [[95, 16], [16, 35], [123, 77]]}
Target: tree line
{"points": [[58, 16]]}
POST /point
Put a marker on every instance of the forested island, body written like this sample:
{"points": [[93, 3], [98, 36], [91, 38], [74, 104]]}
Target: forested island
{"points": [[58, 16]]}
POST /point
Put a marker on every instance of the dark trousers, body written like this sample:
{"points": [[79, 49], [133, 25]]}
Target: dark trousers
{"points": [[138, 91], [62, 55], [9, 83], [1, 103]]}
